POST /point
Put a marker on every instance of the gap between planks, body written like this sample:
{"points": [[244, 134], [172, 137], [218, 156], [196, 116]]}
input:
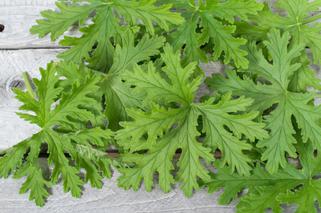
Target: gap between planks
{"points": [[33, 48]]}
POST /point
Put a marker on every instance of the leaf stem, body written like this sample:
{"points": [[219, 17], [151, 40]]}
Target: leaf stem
{"points": [[29, 85], [312, 19]]}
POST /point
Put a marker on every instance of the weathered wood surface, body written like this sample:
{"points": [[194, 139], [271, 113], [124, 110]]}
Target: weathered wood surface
{"points": [[18, 16], [13, 63], [19, 52], [109, 199]]}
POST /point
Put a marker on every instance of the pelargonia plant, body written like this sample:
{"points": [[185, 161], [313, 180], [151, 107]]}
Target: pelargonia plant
{"points": [[131, 81]]}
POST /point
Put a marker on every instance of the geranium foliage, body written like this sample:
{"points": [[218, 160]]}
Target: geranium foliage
{"points": [[131, 79]]}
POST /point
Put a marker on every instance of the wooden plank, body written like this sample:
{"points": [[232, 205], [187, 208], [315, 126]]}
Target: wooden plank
{"points": [[18, 16], [13, 63], [110, 198]]}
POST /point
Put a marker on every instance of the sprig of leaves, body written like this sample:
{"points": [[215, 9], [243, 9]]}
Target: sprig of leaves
{"points": [[212, 23], [295, 18], [62, 118], [271, 89], [119, 96], [110, 17], [171, 124], [290, 185], [134, 69]]}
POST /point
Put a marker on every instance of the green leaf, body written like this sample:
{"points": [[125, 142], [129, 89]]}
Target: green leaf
{"points": [[186, 35], [179, 88], [281, 138], [274, 89], [160, 120], [170, 124], [217, 117], [263, 96], [159, 159], [304, 78], [104, 27], [260, 200], [36, 184], [259, 179], [305, 198], [308, 193], [129, 53], [263, 191], [259, 127], [205, 27], [57, 23], [295, 18], [118, 95], [231, 9], [148, 13], [223, 41], [108, 19], [191, 168], [58, 109], [222, 35]]}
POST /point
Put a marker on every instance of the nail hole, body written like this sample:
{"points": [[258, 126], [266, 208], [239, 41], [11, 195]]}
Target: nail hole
{"points": [[1, 27]]}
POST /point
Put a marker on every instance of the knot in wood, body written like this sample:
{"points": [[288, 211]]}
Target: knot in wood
{"points": [[1, 27]]}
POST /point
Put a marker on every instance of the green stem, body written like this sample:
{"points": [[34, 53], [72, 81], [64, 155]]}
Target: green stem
{"points": [[312, 19], [29, 84]]}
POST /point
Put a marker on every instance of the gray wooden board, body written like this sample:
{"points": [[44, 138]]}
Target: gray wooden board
{"points": [[18, 16], [19, 52], [109, 199], [13, 63]]}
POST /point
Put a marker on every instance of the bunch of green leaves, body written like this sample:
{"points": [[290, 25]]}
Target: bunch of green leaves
{"points": [[108, 41], [69, 131], [270, 90], [205, 26], [171, 120], [132, 79], [290, 185], [99, 44], [101, 24], [209, 28], [300, 18], [293, 121], [293, 16]]}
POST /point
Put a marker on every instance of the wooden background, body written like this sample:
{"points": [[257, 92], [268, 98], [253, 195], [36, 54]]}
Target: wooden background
{"points": [[19, 52]]}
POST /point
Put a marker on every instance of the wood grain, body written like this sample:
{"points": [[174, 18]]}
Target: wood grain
{"points": [[18, 16], [109, 199], [13, 63]]}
